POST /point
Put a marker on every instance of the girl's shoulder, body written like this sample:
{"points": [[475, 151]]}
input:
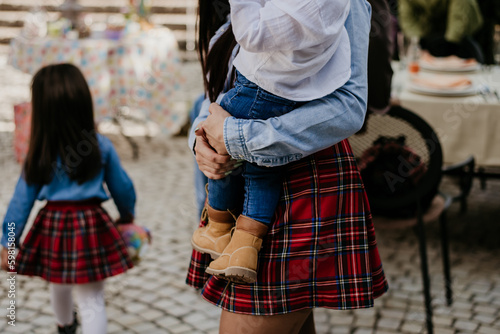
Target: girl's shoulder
{"points": [[103, 140], [105, 145]]}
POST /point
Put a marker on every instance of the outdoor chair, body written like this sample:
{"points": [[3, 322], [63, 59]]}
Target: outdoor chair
{"points": [[463, 174], [426, 203]]}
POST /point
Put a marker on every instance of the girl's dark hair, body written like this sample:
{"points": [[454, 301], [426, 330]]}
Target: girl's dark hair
{"points": [[214, 62], [62, 126]]}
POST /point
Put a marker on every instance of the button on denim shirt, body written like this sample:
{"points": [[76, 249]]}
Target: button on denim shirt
{"points": [[314, 126]]}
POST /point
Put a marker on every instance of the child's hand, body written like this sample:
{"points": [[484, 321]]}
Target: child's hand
{"points": [[128, 219], [5, 258]]}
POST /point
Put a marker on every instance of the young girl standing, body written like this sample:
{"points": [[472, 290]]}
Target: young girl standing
{"points": [[73, 243]]}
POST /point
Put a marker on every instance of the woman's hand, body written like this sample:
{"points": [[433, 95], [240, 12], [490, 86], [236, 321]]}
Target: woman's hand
{"points": [[214, 128], [215, 166], [4, 258]]}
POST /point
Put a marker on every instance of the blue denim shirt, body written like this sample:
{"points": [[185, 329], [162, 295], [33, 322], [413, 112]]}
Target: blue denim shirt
{"points": [[62, 188], [314, 126]]}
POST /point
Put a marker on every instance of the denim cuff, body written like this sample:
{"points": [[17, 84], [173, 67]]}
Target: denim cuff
{"points": [[234, 139]]}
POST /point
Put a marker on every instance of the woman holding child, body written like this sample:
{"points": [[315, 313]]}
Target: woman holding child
{"points": [[319, 250]]}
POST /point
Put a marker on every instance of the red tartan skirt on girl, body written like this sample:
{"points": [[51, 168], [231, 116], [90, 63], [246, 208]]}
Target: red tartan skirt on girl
{"points": [[73, 243], [320, 251]]}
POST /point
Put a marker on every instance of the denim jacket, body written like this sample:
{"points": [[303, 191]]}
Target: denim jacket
{"points": [[62, 188], [314, 126]]}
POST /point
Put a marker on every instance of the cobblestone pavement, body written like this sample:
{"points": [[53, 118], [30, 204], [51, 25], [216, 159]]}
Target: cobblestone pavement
{"points": [[153, 297]]}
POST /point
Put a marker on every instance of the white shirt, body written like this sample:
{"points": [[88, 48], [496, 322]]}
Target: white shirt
{"points": [[296, 49]]}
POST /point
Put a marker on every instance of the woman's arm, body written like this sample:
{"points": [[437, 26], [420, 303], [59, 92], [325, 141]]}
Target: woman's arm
{"points": [[214, 166], [302, 132], [310, 128]]}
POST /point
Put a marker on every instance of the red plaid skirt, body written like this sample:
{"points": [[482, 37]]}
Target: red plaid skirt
{"points": [[320, 251], [73, 243]]}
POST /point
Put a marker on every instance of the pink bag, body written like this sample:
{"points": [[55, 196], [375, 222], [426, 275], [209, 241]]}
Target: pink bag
{"points": [[22, 120]]}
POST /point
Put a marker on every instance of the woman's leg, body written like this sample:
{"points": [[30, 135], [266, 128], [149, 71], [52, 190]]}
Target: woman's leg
{"points": [[291, 323], [90, 299], [62, 303], [308, 326]]}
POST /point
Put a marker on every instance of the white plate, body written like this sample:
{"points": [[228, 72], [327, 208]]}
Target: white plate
{"points": [[466, 91], [431, 67]]}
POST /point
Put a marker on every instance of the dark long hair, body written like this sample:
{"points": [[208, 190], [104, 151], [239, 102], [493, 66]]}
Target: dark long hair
{"points": [[214, 62], [62, 126]]}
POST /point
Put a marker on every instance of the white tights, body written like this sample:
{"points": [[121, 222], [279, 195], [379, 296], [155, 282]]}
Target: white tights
{"points": [[90, 300]]}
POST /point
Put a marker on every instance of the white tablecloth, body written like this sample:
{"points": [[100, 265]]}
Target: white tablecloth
{"points": [[141, 71], [468, 125]]}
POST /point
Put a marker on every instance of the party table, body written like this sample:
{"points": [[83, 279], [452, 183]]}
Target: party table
{"points": [[466, 125], [140, 71]]}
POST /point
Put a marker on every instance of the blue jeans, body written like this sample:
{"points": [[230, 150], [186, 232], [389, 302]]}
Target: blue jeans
{"points": [[262, 185]]}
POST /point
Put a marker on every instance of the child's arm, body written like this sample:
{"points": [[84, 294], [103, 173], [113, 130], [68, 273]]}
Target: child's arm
{"points": [[119, 183], [18, 212], [287, 25]]}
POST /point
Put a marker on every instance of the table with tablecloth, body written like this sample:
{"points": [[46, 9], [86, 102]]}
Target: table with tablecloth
{"points": [[466, 125], [140, 71]]}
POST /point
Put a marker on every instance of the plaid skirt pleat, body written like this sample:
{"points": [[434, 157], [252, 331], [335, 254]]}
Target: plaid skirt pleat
{"points": [[320, 251], [73, 243]]}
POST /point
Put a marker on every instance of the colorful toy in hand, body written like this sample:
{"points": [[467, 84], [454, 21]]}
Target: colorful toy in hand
{"points": [[137, 239]]}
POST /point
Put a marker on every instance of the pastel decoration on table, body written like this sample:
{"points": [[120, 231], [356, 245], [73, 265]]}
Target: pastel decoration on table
{"points": [[89, 55], [35, 23], [142, 79], [137, 240], [22, 121], [448, 64], [141, 70], [442, 81], [442, 85]]}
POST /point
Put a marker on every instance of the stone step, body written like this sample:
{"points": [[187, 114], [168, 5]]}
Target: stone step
{"points": [[179, 16], [99, 6], [173, 21], [7, 33]]}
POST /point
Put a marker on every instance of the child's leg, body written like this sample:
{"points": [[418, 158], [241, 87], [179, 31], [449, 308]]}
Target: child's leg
{"points": [[225, 194], [90, 299], [262, 192], [223, 197], [62, 303], [239, 259], [215, 235]]}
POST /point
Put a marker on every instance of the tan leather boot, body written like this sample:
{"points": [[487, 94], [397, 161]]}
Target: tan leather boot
{"points": [[215, 236], [238, 262]]}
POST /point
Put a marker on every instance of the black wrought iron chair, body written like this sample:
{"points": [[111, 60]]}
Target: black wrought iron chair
{"points": [[423, 198], [463, 175]]}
